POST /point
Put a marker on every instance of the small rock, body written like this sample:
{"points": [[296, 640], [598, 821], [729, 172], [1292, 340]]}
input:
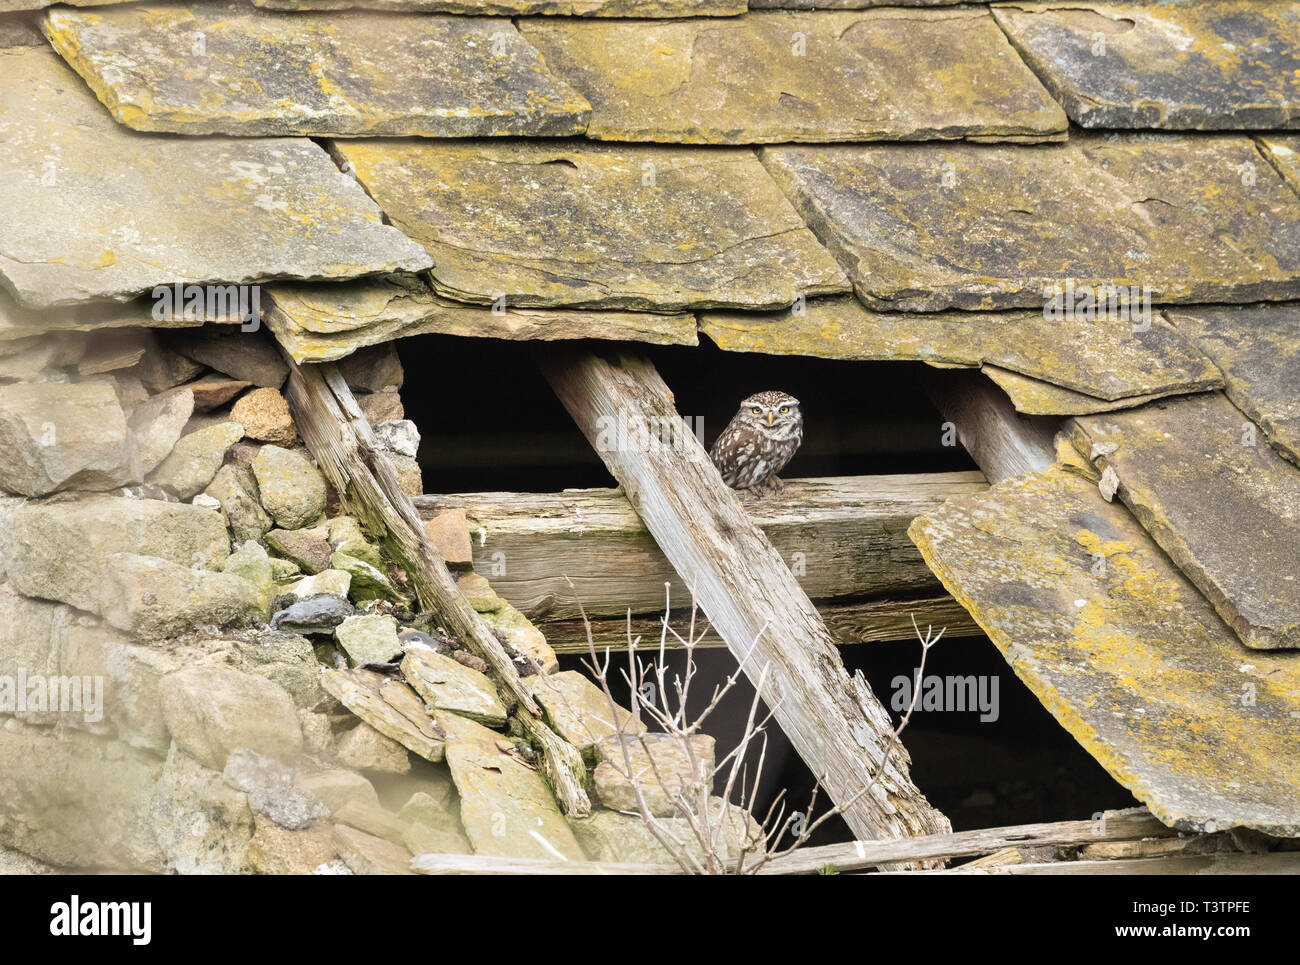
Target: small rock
{"points": [[368, 582], [214, 390], [202, 499], [367, 854], [366, 749], [409, 477], [154, 491], [331, 582], [431, 827], [579, 711], [158, 423], [162, 369], [368, 639], [313, 615], [292, 489], [418, 638], [401, 436], [271, 791], [390, 707], [251, 563], [275, 851], [343, 529], [55, 436], [337, 787], [448, 684], [264, 414], [377, 407], [317, 734], [235, 488], [449, 534], [478, 591], [372, 369], [195, 459], [212, 711], [306, 549], [517, 634], [247, 356], [282, 570], [470, 660]]}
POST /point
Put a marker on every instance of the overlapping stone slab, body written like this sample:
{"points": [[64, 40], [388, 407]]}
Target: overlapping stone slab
{"points": [[1257, 347], [1107, 359], [1223, 504], [571, 224], [390, 707], [1036, 397], [1124, 651], [322, 323], [1193, 65], [508, 8], [931, 226], [774, 77], [93, 211], [1283, 153], [214, 68]]}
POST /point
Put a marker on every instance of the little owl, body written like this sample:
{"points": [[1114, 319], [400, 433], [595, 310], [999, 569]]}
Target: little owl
{"points": [[759, 441]]}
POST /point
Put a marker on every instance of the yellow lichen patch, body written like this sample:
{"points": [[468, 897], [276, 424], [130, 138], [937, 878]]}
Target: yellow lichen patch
{"points": [[1123, 652]]}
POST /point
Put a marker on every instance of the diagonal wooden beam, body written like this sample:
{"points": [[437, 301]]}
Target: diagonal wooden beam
{"points": [[833, 720]]}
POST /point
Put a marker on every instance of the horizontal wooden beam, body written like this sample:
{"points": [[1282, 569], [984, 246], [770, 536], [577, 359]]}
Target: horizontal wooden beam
{"points": [[841, 537], [872, 621]]}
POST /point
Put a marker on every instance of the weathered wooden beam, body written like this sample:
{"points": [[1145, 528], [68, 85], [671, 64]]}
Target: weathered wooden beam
{"points": [[1276, 863], [1134, 824], [872, 621], [842, 537], [343, 445], [1002, 441], [742, 584]]}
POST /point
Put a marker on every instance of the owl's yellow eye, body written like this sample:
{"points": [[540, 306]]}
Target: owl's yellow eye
{"points": [[756, 410], [784, 409]]}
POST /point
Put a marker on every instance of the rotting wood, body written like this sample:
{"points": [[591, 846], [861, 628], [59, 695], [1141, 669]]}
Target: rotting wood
{"points": [[869, 621], [843, 537], [833, 720], [343, 445], [1002, 441], [1134, 824]]}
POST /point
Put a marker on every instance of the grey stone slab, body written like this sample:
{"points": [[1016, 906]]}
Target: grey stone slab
{"points": [[1124, 652], [214, 68], [1196, 65], [509, 8], [531, 224], [1036, 397], [930, 226], [1218, 500], [1257, 347], [776, 77], [94, 211]]}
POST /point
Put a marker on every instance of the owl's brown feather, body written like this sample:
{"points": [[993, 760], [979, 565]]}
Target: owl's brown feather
{"points": [[759, 441]]}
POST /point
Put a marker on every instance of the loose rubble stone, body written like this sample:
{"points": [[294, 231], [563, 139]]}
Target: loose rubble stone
{"points": [[1109, 357], [203, 825], [1048, 218], [368, 582], [247, 356], [661, 766], [292, 489], [55, 436], [522, 637], [235, 488], [393, 73], [251, 563], [1127, 656], [409, 478], [402, 437], [306, 549], [322, 323], [363, 550], [286, 659], [275, 851], [373, 369], [1194, 65], [313, 615], [365, 748], [449, 534], [215, 390], [193, 462], [773, 77], [156, 599], [1225, 508], [380, 407], [269, 785], [505, 807], [579, 711], [367, 638], [212, 711], [62, 551], [1258, 350], [240, 211], [388, 706], [329, 582], [430, 827], [708, 230], [446, 685], [157, 424], [264, 414]]}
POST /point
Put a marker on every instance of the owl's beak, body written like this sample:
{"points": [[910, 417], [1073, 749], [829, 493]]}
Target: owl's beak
{"points": [[770, 417]]}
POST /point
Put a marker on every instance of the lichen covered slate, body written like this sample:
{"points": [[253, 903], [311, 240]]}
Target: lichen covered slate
{"points": [[1107, 359], [213, 68], [1218, 500], [1257, 347], [1036, 397], [1283, 152], [922, 227], [322, 323], [1124, 652], [644, 228], [1193, 65], [771, 77], [508, 8], [94, 211]]}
